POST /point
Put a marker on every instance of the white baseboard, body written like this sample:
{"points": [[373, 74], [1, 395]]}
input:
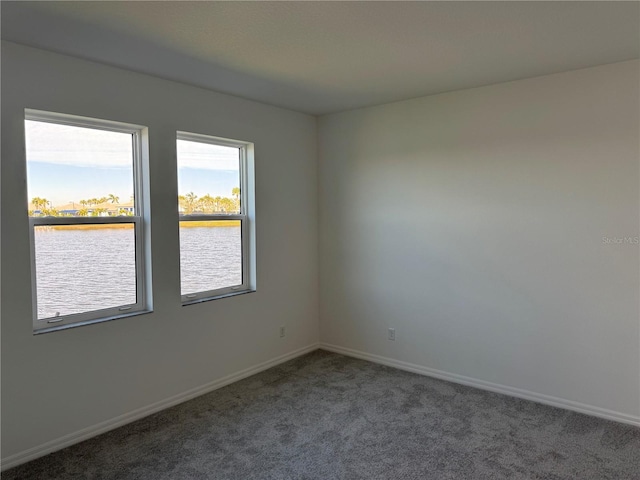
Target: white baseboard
{"points": [[492, 387], [90, 432], [95, 430]]}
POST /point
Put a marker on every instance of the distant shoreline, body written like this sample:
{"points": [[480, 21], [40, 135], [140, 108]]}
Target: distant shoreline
{"points": [[103, 226]]}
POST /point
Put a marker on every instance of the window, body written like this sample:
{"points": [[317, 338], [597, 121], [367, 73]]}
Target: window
{"points": [[215, 204], [88, 224]]}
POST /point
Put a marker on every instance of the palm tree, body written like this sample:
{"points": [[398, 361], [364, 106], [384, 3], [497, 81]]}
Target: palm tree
{"points": [[113, 198], [83, 212], [236, 197], [227, 205], [50, 212], [84, 203], [39, 203], [188, 202], [208, 203]]}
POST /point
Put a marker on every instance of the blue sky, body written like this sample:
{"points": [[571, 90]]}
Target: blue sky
{"points": [[67, 164], [62, 184], [204, 168]]}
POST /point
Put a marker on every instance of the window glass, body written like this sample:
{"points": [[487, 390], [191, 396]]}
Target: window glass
{"points": [[87, 232], [208, 178], [214, 225], [210, 255], [78, 171], [68, 281]]}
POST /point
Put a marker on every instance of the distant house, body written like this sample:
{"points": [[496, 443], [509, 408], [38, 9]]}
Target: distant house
{"points": [[108, 209], [116, 207], [69, 208]]}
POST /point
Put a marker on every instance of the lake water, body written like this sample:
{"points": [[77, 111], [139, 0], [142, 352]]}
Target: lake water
{"points": [[81, 270]]}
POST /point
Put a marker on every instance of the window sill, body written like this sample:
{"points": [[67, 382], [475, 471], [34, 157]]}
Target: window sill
{"points": [[217, 297], [67, 326]]}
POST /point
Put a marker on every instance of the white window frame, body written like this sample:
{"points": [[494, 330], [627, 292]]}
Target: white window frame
{"points": [[246, 218], [140, 221]]}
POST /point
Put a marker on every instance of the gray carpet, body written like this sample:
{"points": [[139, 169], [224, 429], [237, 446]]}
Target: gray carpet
{"points": [[326, 416]]}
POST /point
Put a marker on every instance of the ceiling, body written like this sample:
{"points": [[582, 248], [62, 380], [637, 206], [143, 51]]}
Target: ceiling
{"points": [[322, 57]]}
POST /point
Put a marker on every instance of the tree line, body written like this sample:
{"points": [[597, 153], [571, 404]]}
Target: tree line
{"points": [[46, 209], [189, 204]]}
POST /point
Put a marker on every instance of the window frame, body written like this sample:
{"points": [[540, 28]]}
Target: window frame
{"points": [[246, 218], [140, 221]]}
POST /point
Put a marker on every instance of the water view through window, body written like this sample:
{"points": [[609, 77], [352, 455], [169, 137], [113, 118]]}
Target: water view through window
{"points": [[80, 182], [67, 280], [82, 198], [67, 283], [210, 255], [208, 191]]}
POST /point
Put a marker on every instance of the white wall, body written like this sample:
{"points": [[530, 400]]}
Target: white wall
{"points": [[473, 223], [59, 383]]}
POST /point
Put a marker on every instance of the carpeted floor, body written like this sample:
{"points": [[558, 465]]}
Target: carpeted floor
{"points": [[326, 416]]}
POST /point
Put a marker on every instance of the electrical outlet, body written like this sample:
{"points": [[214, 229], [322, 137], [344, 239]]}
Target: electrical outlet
{"points": [[283, 331], [392, 334]]}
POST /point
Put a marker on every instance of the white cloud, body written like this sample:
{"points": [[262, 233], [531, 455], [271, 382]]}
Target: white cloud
{"points": [[87, 147], [207, 156], [76, 146]]}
